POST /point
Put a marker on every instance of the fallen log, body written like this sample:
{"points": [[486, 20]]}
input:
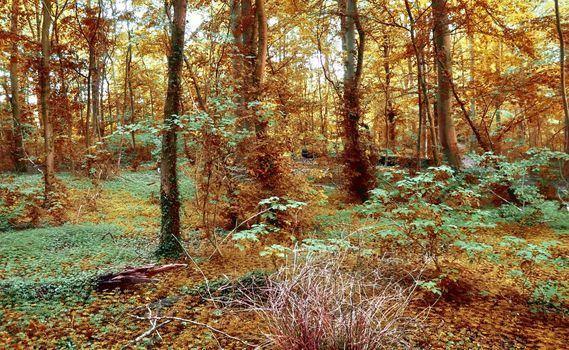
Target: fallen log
{"points": [[132, 276]]}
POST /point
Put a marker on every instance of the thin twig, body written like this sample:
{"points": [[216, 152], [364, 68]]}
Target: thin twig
{"points": [[206, 280], [167, 319], [238, 226]]}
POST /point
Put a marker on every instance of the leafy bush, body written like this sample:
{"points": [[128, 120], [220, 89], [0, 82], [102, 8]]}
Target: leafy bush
{"points": [[267, 219], [437, 211], [550, 295], [425, 215], [526, 262], [518, 187]]}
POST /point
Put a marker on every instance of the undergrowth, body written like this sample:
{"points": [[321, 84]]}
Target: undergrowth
{"points": [[65, 262]]}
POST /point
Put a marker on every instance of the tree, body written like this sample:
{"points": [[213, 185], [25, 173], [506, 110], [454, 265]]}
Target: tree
{"points": [[92, 28], [257, 153], [169, 194], [358, 171], [562, 74], [442, 38], [15, 100], [44, 70], [425, 115]]}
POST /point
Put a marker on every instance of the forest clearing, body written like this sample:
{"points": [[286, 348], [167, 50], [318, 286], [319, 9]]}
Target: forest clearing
{"points": [[262, 174]]}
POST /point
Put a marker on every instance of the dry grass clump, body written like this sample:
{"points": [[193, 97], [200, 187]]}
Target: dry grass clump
{"points": [[321, 302]]}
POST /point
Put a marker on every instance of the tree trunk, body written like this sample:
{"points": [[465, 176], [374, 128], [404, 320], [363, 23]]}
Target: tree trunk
{"points": [[260, 63], [88, 113], [49, 176], [472, 65], [128, 94], [389, 110], [359, 171], [442, 38], [247, 62], [169, 196], [95, 90], [425, 116], [562, 75], [18, 142]]}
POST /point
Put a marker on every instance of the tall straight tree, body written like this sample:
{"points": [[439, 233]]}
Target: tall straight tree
{"points": [[18, 144], [425, 117], [442, 38], [44, 69], [562, 74], [359, 172], [169, 194]]}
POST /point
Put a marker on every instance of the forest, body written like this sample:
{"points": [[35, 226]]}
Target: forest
{"points": [[296, 175]]}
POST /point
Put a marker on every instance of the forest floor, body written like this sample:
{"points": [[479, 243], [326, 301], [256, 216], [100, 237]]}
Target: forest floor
{"points": [[115, 224]]}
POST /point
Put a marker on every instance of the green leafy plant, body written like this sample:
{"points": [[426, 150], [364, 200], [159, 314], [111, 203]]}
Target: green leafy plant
{"points": [[517, 186], [427, 214], [271, 207], [525, 261]]}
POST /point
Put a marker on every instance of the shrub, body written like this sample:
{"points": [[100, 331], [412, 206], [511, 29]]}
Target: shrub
{"points": [[520, 188], [425, 215]]}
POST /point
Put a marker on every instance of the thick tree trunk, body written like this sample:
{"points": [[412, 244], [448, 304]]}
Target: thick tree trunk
{"points": [[169, 195], [49, 172], [248, 25], [447, 133], [18, 153], [359, 171], [562, 74]]}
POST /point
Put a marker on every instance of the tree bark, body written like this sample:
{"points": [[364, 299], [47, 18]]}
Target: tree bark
{"points": [[359, 171], [169, 195], [49, 171], [562, 74], [18, 153], [442, 38]]}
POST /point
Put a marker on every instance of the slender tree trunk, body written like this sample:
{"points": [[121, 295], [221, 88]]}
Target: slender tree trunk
{"points": [[443, 56], [128, 97], [472, 65], [95, 84], [49, 172], [260, 62], [169, 195], [389, 110], [359, 171], [247, 61], [499, 98], [562, 74], [88, 113], [18, 153], [424, 104]]}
